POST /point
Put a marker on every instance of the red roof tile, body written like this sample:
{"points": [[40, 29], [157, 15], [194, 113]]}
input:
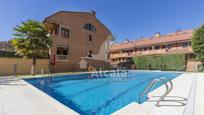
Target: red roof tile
{"points": [[169, 38]]}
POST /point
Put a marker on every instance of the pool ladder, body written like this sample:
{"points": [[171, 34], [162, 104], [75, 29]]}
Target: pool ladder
{"points": [[152, 84]]}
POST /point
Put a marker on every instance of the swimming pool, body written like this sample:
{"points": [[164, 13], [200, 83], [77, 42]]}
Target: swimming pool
{"points": [[98, 96]]}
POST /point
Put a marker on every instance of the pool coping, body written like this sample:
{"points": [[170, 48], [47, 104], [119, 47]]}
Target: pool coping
{"points": [[67, 110], [51, 99], [48, 101], [110, 71], [80, 73]]}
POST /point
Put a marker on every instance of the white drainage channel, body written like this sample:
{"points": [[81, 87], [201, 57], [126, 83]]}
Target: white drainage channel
{"points": [[189, 109]]}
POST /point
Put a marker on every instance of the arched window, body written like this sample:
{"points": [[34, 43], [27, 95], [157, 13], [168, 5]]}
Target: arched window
{"points": [[90, 27]]}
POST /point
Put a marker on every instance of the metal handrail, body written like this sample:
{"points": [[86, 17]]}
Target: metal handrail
{"points": [[167, 92], [171, 84], [50, 74], [152, 83], [181, 68]]}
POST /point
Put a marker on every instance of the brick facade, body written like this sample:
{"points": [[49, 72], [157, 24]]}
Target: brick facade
{"points": [[77, 36]]}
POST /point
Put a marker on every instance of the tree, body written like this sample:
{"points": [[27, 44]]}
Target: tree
{"points": [[198, 43], [31, 41]]}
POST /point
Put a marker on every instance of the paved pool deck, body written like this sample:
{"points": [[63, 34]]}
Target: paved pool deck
{"points": [[186, 98], [17, 97]]}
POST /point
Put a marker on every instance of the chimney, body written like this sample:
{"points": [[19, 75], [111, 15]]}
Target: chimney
{"points": [[126, 41], [93, 13], [157, 34], [178, 31]]}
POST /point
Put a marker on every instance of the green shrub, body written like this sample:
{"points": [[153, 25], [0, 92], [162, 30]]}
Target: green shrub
{"points": [[160, 62], [8, 54]]}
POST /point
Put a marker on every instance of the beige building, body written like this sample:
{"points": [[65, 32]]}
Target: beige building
{"points": [[5, 46], [173, 43], [79, 40]]}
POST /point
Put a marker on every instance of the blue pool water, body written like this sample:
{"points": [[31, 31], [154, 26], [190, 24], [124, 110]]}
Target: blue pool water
{"points": [[98, 96]]}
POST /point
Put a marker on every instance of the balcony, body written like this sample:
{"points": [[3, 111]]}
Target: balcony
{"points": [[120, 55], [153, 52], [181, 50], [62, 53], [62, 57]]}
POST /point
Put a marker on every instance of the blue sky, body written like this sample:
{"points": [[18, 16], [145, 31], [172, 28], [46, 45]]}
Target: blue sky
{"points": [[130, 19]]}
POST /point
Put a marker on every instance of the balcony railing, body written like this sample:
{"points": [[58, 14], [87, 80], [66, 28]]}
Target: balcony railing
{"points": [[152, 52], [62, 57]]}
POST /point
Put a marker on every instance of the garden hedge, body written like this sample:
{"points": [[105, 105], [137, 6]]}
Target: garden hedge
{"points": [[8, 54], [161, 62]]}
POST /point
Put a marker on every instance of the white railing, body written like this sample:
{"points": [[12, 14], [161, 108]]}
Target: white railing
{"points": [[159, 51], [62, 57]]}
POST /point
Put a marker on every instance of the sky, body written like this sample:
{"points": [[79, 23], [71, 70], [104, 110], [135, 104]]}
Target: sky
{"points": [[127, 19]]}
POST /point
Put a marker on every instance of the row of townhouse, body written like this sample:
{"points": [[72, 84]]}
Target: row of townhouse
{"points": [[173, 43], [5, 46]]}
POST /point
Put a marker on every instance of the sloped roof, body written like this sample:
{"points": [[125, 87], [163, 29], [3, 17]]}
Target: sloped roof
{"points": [[87, 13], [169, 38], [123, 46]]}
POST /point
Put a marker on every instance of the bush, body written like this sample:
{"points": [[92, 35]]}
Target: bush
{"points": [[160, 62], [8, 54]]}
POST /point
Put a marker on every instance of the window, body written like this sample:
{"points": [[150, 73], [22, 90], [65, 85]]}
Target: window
{"points": [[90, 27], [64, 32], [56, 31], [156, 47], [185, 44], [90, 38], [150, 48], [169, 46], [163, 46], [145, 49], [90, 53], [62, 51]]}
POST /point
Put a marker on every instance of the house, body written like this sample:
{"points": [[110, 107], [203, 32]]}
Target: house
{"points": [[79, 40], [178, 42], [5, 46]]}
